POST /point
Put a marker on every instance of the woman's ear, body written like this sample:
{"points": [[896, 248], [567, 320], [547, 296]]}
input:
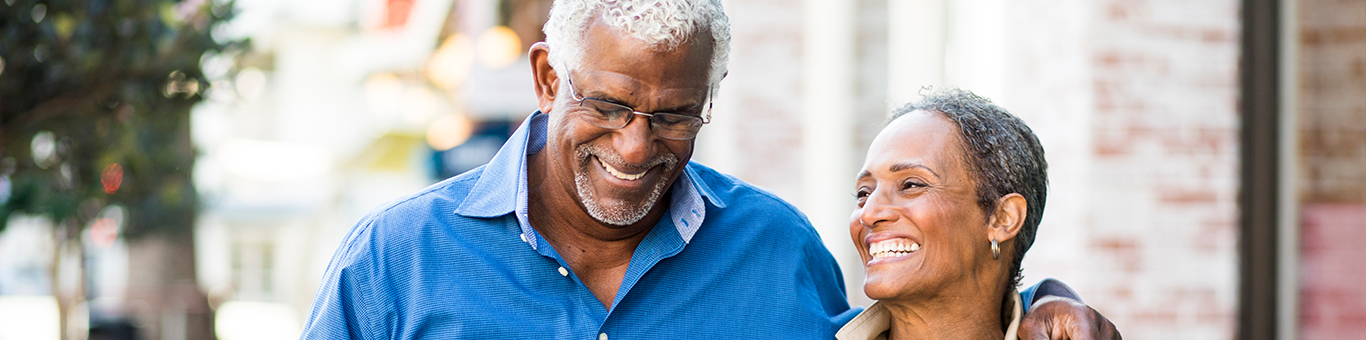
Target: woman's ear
{"points": [[1008, 218], [546, 81]]}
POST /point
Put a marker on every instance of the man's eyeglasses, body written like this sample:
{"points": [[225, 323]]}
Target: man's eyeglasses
{"points": [[668, 125]]}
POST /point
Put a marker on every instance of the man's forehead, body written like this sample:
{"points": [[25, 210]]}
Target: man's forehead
{"points": [[609, 50], [601, 29]]}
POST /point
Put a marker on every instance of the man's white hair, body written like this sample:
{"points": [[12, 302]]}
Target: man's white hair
{"points": [[665, 24]]}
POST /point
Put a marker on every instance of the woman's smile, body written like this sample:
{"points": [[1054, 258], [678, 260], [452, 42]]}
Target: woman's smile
{"points": [[893, 248], [883, 247]]}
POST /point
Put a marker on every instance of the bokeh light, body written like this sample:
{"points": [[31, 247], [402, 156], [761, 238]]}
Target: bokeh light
{"points": [[111, 178], [250, 83], [382, 91], [422, 104], [105, 229], [450, 64], [39, 12], [449, 131], [178, 83], [44, 148], [499, 47], [397, 13]]}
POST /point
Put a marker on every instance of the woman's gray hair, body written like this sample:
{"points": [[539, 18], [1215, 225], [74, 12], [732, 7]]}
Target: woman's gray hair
{"points": [[1000, 151], [666, 24]]}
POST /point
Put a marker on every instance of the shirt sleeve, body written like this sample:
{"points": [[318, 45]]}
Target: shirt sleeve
{"points": [[1047, 287], [336, 311], [340, 309]]}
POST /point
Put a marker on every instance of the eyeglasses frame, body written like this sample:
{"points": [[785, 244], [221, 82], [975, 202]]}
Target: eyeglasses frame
{"points": [[705, 118]]}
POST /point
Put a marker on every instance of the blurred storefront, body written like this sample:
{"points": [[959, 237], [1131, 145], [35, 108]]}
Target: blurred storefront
{"points": [[339, 108]]}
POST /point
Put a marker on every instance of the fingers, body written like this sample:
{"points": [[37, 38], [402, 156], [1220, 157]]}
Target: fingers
{"points": [[1035, 327], [1062, 318], [1106, 329], [1040, 323]]}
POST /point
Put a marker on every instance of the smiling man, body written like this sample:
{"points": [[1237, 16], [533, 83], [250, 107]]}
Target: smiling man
{"points": [[591, 223]]}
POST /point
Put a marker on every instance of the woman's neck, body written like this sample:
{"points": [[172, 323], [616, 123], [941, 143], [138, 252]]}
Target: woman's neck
{"points": [[964, 317]]}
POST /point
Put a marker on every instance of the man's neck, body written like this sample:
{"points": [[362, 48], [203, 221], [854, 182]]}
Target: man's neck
{"points": [[599, 254]]}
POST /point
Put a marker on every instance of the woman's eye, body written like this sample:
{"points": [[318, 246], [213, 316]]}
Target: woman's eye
{"points": [[861, 194], [911, 185]]}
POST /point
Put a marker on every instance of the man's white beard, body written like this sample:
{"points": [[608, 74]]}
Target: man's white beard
{"points": [[620, 214]]}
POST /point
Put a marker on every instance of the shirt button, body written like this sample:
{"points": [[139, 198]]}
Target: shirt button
{"points": [[565, 272], [602, 336], [523, 235]]}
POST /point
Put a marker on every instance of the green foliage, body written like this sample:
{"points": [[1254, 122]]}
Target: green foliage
{"points": [[90, 86]]}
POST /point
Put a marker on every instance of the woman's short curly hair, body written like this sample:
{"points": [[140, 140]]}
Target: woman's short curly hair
{"points": [[1001, 152]]}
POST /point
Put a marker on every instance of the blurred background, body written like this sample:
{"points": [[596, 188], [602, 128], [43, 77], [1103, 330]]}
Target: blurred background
{"points": [[185, 169]]}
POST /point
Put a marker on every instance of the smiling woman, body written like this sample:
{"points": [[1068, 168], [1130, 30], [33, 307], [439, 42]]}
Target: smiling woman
{"points": [[949, 199]]}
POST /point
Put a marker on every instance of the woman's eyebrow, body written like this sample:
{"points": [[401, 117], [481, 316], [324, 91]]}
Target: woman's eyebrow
{"points": [[903, 166]]}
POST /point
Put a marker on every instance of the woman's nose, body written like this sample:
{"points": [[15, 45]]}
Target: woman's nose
{"points": [[877, 208]]}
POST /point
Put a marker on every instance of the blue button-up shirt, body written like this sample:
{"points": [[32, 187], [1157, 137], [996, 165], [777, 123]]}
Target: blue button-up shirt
{"points": [[460, 260]]}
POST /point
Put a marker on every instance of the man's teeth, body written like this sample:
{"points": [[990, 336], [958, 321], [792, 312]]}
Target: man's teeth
{"points": [[893, 248], [618, 174]]}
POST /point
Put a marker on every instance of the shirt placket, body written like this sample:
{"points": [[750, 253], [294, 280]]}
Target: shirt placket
{"points": [[662, 242]]}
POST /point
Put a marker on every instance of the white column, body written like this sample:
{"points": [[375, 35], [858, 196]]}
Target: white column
{"points": [[1288, 228], [916, 34], [828, 118], [974, 51]]}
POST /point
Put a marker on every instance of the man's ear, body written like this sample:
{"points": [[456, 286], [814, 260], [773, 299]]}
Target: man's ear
{"points": [[546, 81], [1008, 218]]}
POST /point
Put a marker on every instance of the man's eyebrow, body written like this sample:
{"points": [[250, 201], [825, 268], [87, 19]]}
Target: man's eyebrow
{"points": [[603, 96], [685, 108]]}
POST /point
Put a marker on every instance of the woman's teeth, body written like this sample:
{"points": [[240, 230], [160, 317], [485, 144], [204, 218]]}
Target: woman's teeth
{"points": [[621, 175], [892, 248]]}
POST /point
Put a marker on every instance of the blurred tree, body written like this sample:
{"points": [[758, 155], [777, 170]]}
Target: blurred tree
{"points": [[95, 100]]}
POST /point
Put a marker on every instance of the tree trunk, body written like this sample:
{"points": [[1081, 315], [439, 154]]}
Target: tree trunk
{"points": [[66, 235], [162, 282]]}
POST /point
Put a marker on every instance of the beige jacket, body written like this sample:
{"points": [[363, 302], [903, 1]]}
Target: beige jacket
{"points": [[875, 322]]}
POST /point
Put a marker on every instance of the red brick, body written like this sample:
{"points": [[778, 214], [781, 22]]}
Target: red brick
{"points": [[1188, 195], [1123, 250], [1159, 317], [1333, 35]]}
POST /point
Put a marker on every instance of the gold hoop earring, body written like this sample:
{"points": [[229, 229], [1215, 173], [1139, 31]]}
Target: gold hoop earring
{"points": [[995, 250]]}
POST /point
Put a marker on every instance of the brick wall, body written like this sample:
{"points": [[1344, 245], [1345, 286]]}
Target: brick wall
{"points": [[1164, 188], [756, 127], [1135, 102], [1332, 164]]}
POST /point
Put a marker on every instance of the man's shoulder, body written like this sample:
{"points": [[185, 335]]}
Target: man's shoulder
{"points": [[738, 195], [440, 197], [750, 212], [406, 221]]}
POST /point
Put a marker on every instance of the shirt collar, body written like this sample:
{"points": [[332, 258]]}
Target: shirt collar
{"points": [[876, 321], [502, 188]]}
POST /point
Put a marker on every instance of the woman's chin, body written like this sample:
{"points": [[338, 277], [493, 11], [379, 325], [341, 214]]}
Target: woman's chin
{"points": [[883, 288]]}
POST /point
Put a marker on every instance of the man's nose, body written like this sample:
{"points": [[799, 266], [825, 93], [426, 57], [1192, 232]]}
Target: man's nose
{"points": [[635, 141]]}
